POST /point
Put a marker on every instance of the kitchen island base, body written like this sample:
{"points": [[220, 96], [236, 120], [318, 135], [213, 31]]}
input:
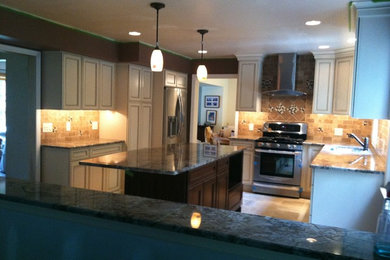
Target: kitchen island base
{"points": [[217, 184]]}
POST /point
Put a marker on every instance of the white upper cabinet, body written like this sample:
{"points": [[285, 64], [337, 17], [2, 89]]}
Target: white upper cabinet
{"points": [[90, 85], [140, 83], [61, 80], [74, 82], [342, 90], [333, 82], [248, 89], [371, 93], [323, 83], [175, 79], [107, 86]]}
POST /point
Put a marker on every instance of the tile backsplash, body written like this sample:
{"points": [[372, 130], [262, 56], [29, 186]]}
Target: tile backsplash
{"points": [[320, 127], [80, 121]]}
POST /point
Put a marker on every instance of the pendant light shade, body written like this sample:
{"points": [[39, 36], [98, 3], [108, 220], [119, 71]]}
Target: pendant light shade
{"points": [[157, 60], [201, 72]]}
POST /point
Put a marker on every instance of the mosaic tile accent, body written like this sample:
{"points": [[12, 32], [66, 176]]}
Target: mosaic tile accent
{"points": [[81, 127]]}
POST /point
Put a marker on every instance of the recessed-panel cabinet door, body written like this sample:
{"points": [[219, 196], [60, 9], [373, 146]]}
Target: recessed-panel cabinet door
{"points": [[95, 178], [78, 175], [147, 85], [113, 180], [209, 193], [135, 83], [107, 85], [90, 90], [133, 126], [195, 195], [145, 120], [71, 82], [342, 86]]}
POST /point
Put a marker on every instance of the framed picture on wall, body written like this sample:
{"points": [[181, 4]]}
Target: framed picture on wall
{"points": [[211, 117], [211, 101]]}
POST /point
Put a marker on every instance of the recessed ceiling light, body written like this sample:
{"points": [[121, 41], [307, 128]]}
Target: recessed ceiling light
{"points": [[134, 33], [322, 47], [351, 40], [313, 23], [200, 51]]}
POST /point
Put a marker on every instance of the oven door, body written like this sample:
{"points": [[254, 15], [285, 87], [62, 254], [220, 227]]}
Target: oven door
{"points": [[276, 166]]}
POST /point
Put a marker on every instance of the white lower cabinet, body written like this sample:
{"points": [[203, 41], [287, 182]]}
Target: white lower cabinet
{"points": [[61, 166], [309, 152], [247, 164]]}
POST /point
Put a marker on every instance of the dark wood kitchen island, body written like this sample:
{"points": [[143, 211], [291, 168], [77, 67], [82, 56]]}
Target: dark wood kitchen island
{"points": [[200, 174]]}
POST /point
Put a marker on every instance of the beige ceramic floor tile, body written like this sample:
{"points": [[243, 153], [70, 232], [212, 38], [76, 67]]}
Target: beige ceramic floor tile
{"points": [[277, 207]]}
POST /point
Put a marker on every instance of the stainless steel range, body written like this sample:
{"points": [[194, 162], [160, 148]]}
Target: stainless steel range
{"points": [[278, 159]]}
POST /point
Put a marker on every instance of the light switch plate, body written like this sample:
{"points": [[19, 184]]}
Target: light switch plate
{"points": [[94, 125], [47, 127], [338, 131], [68, 126]]}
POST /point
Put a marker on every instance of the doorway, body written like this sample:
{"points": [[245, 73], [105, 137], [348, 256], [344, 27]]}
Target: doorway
{"points": [[21, 131], [213, 102]]}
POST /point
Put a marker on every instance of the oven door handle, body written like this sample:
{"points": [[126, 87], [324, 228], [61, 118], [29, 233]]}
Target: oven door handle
{"points": [[277, 152]]}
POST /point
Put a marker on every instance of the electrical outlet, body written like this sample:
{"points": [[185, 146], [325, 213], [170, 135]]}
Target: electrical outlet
{"points": [[68, 126], [338, 131], [94, 125], [47, 127]]}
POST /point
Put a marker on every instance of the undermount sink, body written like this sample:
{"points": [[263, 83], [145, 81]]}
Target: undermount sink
{"points": [[345, 149]]}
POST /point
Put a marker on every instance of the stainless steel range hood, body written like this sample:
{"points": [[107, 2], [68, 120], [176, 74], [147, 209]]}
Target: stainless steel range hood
{"points": [[286, 76]]}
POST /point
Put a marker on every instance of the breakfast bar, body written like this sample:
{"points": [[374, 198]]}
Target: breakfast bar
{"points": [[194, 173]]}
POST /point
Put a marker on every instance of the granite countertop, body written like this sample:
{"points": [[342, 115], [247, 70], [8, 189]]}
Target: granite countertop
{"points": [[244, 137], [170, 159], [371, 163], [302, 239], [80, 143]]}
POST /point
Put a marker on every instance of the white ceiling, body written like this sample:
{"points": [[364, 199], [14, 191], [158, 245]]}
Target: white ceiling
{"points": [[235, 26]]}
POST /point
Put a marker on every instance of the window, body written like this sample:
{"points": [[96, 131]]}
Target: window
{"points": [[3, 127]]}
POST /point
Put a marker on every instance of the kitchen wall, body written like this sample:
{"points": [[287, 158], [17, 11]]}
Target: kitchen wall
{"points": [[81, 127]]}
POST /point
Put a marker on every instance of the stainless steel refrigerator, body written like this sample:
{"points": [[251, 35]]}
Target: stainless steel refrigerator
{"points": [[175, 108]]}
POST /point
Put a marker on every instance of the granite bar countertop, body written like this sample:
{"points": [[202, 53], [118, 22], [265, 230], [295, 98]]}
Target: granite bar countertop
{"points": [[80, 143], [301, 239], [244, 137], [370, 163], [169, 159]]}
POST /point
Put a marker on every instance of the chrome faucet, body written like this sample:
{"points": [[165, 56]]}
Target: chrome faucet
{"points": [[364, 144]]}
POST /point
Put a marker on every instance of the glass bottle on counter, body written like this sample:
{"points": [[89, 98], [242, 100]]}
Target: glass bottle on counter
{"points": [[382, 244]]}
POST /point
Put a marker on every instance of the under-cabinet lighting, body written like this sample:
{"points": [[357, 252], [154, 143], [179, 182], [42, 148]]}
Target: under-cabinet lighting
{"points": [[202, 51], [311, 240]]}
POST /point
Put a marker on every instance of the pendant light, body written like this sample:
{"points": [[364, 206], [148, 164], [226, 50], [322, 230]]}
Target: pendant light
{"points": [[156, 60], [201, 72]]}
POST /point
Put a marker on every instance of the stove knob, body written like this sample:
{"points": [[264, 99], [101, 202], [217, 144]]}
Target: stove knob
{"points": [[277, 145], [295, 147], [289, 146]]}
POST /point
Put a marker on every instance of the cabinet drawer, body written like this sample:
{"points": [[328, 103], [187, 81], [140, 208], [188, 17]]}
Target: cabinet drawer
{"points": [[79, 154], [105, 149], [246, 144], [202, 174]]}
